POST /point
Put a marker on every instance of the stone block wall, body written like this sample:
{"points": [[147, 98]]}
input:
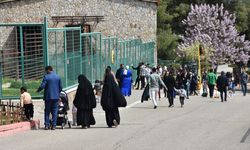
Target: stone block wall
{"points": [[123, 18]]}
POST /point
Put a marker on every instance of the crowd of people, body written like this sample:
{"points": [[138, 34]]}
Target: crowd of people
{"points": [[152, 80]]}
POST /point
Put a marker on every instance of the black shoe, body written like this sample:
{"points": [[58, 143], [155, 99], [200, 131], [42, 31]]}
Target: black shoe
{"points": [[155, 107], [53, 128], [46, 128]]}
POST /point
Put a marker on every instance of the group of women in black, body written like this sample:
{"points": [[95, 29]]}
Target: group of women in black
{"points": [[111, 100]]}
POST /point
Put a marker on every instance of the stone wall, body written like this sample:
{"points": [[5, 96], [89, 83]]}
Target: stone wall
{"points": [[123, 18]]}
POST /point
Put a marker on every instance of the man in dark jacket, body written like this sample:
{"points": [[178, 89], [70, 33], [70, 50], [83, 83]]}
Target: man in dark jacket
{"points": [[118, 75], [137, 81], [52, 87], [169, 81], [222, 84]]}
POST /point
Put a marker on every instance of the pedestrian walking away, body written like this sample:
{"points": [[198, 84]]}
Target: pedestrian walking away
{"points": [[126, 81], [112, 99], [154, 84], [137, 81], [52, 87], [244, 80], [211, 79], [143, 73], [182, 94], [84, 101], [170, 83], [222, 84], [118, 75]]}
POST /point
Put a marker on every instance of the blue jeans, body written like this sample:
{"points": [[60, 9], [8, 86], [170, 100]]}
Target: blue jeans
{"points": [[51, 106], [244, 88], [187, 88]]}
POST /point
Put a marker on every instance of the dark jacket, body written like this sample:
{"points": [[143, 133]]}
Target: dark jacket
{"points": [[138, 69], [222, 82], [52, 86], [169, 81]]}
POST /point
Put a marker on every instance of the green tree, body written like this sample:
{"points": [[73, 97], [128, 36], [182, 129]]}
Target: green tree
{"points": [[172, 12]]}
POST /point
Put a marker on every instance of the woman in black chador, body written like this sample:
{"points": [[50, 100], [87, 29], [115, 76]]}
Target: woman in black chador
{"points": [[112, 98], [85, 102]]}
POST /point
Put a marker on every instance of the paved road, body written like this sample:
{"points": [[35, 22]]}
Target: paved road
{"points": [[203, 124]]}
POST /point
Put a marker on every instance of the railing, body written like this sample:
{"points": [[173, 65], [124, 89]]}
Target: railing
{"points": [[10, 113]]}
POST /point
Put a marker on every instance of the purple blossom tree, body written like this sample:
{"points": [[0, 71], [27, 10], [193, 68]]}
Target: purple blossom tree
{"points": [[214, 28]]}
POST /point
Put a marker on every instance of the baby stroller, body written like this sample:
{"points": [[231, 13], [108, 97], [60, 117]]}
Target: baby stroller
{"points": [[62, 118], [98, 90]]}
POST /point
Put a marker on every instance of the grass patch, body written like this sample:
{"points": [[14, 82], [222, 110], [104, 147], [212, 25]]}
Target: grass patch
{"points": [[15, 85], [16, 92]]}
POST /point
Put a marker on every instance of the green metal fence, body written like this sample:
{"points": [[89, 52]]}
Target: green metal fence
{"points": [[25, 49]]}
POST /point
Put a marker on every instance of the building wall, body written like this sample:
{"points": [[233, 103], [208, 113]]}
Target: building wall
{"points": [[124, 18]]}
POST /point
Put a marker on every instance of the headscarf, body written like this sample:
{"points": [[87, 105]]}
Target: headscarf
{"points": [[85, 98], [111, 94]]}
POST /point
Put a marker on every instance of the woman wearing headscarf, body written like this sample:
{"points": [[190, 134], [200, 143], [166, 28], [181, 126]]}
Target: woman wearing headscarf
{"points": [[126, 82], [85, 102], [112, 98]]}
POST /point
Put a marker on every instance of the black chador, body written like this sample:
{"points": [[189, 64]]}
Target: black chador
{"points": [[85, 102], [112, 98]]}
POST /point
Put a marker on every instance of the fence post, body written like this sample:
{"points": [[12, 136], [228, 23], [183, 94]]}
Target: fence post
{"points": [[91, 58], [45, 44], [22, 52], [65, 60]]}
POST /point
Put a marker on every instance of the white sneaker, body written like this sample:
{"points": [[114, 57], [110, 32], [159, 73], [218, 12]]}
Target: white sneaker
{"points": [[115, 123]]}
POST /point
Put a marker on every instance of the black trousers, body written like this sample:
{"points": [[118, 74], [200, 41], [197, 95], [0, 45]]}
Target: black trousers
{"points": [[112, 115], [28, 110], [170, 95], [182, 100], [223, 94], [137, 82], [211, 90]]}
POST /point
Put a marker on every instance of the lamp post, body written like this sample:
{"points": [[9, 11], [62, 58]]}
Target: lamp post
{"points": [[200, 53]]}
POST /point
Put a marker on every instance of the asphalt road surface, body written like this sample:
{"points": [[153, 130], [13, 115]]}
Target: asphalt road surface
{"points": [[202, 124]]}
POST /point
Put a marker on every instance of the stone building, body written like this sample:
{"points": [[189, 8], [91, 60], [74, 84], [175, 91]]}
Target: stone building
{"points": [[123, 18], [23, 38], [126, 19]]}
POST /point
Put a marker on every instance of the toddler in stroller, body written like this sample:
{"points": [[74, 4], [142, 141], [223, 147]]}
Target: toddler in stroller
{"points": [[98, 90], [63, 107]]}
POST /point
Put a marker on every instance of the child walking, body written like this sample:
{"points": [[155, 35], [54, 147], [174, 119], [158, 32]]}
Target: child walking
{"points": [[26, 103], [182, 94]]}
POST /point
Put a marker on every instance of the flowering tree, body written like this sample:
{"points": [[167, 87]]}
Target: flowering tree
{"points": [[214, 28]]}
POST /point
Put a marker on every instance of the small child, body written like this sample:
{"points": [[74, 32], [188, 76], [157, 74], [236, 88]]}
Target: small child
{"points": [[26, 103], [182, 94], [60, 106], [98, 90]]}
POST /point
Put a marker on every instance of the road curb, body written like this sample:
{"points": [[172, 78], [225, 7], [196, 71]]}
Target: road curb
{"points": [[6, 130]]}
